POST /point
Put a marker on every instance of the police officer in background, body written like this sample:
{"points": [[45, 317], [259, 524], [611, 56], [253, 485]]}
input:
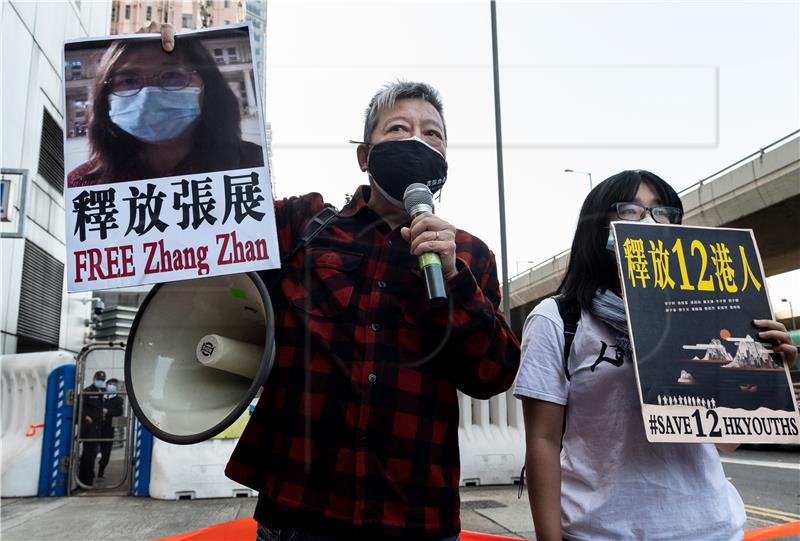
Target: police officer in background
{"points": [[112, 407], [91, 426]]}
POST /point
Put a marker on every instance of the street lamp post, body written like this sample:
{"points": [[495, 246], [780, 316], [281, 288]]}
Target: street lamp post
{"points": [[501, 195], [791, 312], [582, 173]]}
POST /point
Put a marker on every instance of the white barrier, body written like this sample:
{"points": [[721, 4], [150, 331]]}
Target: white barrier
{"points": [[193, 471], [491, 438], [22, 401]]}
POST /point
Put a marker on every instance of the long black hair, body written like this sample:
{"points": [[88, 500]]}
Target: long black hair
{"points": [[591, 265], [215, 136]]}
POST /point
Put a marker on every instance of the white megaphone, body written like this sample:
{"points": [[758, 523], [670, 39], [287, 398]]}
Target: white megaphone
{"points": [[198, 353]]}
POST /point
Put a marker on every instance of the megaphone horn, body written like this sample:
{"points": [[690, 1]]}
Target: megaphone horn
{"points": [[198, 353]]}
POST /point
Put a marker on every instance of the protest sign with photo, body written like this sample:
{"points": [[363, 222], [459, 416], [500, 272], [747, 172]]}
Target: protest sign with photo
{"points": [[691, 295], [166, 172]]}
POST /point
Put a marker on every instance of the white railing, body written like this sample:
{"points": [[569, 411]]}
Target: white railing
{"points": [[491, 439]]}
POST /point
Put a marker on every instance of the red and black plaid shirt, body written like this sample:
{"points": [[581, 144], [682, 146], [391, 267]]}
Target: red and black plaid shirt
{"points": [[356, 430]]}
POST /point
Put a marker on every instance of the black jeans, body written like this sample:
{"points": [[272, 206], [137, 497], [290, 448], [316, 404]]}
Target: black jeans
{"points": [[105, 454], [86, 465]]}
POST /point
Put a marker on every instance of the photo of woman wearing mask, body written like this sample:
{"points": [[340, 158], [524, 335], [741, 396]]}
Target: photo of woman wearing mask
{"points": [[591, 472], [155, 114]]}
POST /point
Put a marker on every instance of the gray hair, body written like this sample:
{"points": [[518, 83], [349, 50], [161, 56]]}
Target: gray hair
{"points": [[399, 90]]}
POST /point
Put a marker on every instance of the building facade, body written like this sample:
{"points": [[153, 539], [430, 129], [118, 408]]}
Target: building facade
{"points": [[36, 313], [127, 16], [257, 14]]}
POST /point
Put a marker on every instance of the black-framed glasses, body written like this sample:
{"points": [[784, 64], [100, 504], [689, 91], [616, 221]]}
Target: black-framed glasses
{"points": [[130, 83], [633, 212]]}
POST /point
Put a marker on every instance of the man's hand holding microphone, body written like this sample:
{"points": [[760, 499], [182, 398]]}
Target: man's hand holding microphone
{"points": [[432, 240]]}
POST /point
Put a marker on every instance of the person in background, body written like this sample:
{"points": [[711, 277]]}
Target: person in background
{"points": [[113, 406], [156, 114], [91, 426], [608, 481]]}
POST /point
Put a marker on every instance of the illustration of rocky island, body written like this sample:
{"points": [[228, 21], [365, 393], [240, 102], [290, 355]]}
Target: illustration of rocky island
{"points": [[748, 379], [750, 354]]}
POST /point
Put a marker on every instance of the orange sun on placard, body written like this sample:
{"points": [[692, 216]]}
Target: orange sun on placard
{"points": [[724, 334]]}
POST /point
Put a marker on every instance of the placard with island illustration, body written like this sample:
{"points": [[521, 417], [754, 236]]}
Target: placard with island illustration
{"points": [[166, 174], [691, 295]]}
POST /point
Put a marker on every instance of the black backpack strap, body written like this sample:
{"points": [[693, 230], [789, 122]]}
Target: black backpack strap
{"points": [[315, 225], [570, 314]]}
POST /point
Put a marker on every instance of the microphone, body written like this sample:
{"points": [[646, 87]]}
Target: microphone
{"points": [[418, 199]]}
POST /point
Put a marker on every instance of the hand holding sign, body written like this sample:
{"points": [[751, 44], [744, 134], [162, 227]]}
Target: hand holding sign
{"points": [[167, 34], [783, 342]]}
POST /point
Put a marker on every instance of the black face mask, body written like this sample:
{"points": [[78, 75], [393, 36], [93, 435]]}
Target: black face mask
{"points": [[394, 165]]}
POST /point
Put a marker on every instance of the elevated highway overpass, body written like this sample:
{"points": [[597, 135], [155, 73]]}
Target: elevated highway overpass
{"points": [[760, 192]]}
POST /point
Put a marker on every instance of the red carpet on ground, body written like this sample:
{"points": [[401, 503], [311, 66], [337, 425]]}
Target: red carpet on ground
{"points": [[244, 529], [773, 532]]}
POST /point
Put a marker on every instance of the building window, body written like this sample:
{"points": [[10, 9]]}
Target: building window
{"points": [[40, 296], [76, 70], [227, 3], [232, 56], [51, 153], [80, 118], [149, 13], [209, 3], [113, 12], [218, 58], [127, 12], [187, 20]]}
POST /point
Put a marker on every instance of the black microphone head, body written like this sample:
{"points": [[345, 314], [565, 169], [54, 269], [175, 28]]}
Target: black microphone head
{"points": [[418, 198]]}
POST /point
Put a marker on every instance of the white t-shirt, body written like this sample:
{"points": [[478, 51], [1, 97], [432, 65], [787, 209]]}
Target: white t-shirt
{"points": [[614, 484]]}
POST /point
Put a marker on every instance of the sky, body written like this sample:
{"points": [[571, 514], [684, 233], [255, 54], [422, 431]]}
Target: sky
{"points": [[679, 88]]}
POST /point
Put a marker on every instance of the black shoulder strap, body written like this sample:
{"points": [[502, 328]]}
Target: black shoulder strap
{"points": [[315, 225], [570, 314]]}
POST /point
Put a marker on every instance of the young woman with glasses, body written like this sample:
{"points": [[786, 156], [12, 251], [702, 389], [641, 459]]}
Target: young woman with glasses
{"points": [[156, 115], [608, 481]]}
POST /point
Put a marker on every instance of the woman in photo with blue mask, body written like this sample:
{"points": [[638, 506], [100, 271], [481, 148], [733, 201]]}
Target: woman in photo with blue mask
{"points": [[156, 114], [608, 482]]}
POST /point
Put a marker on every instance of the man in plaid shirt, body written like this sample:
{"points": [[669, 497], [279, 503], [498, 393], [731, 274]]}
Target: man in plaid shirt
{"points": [[355, 435]]}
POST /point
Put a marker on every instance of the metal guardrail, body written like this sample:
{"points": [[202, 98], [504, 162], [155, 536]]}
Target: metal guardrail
{"points": [[760, 152], [538, 265], [77, 416]]}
